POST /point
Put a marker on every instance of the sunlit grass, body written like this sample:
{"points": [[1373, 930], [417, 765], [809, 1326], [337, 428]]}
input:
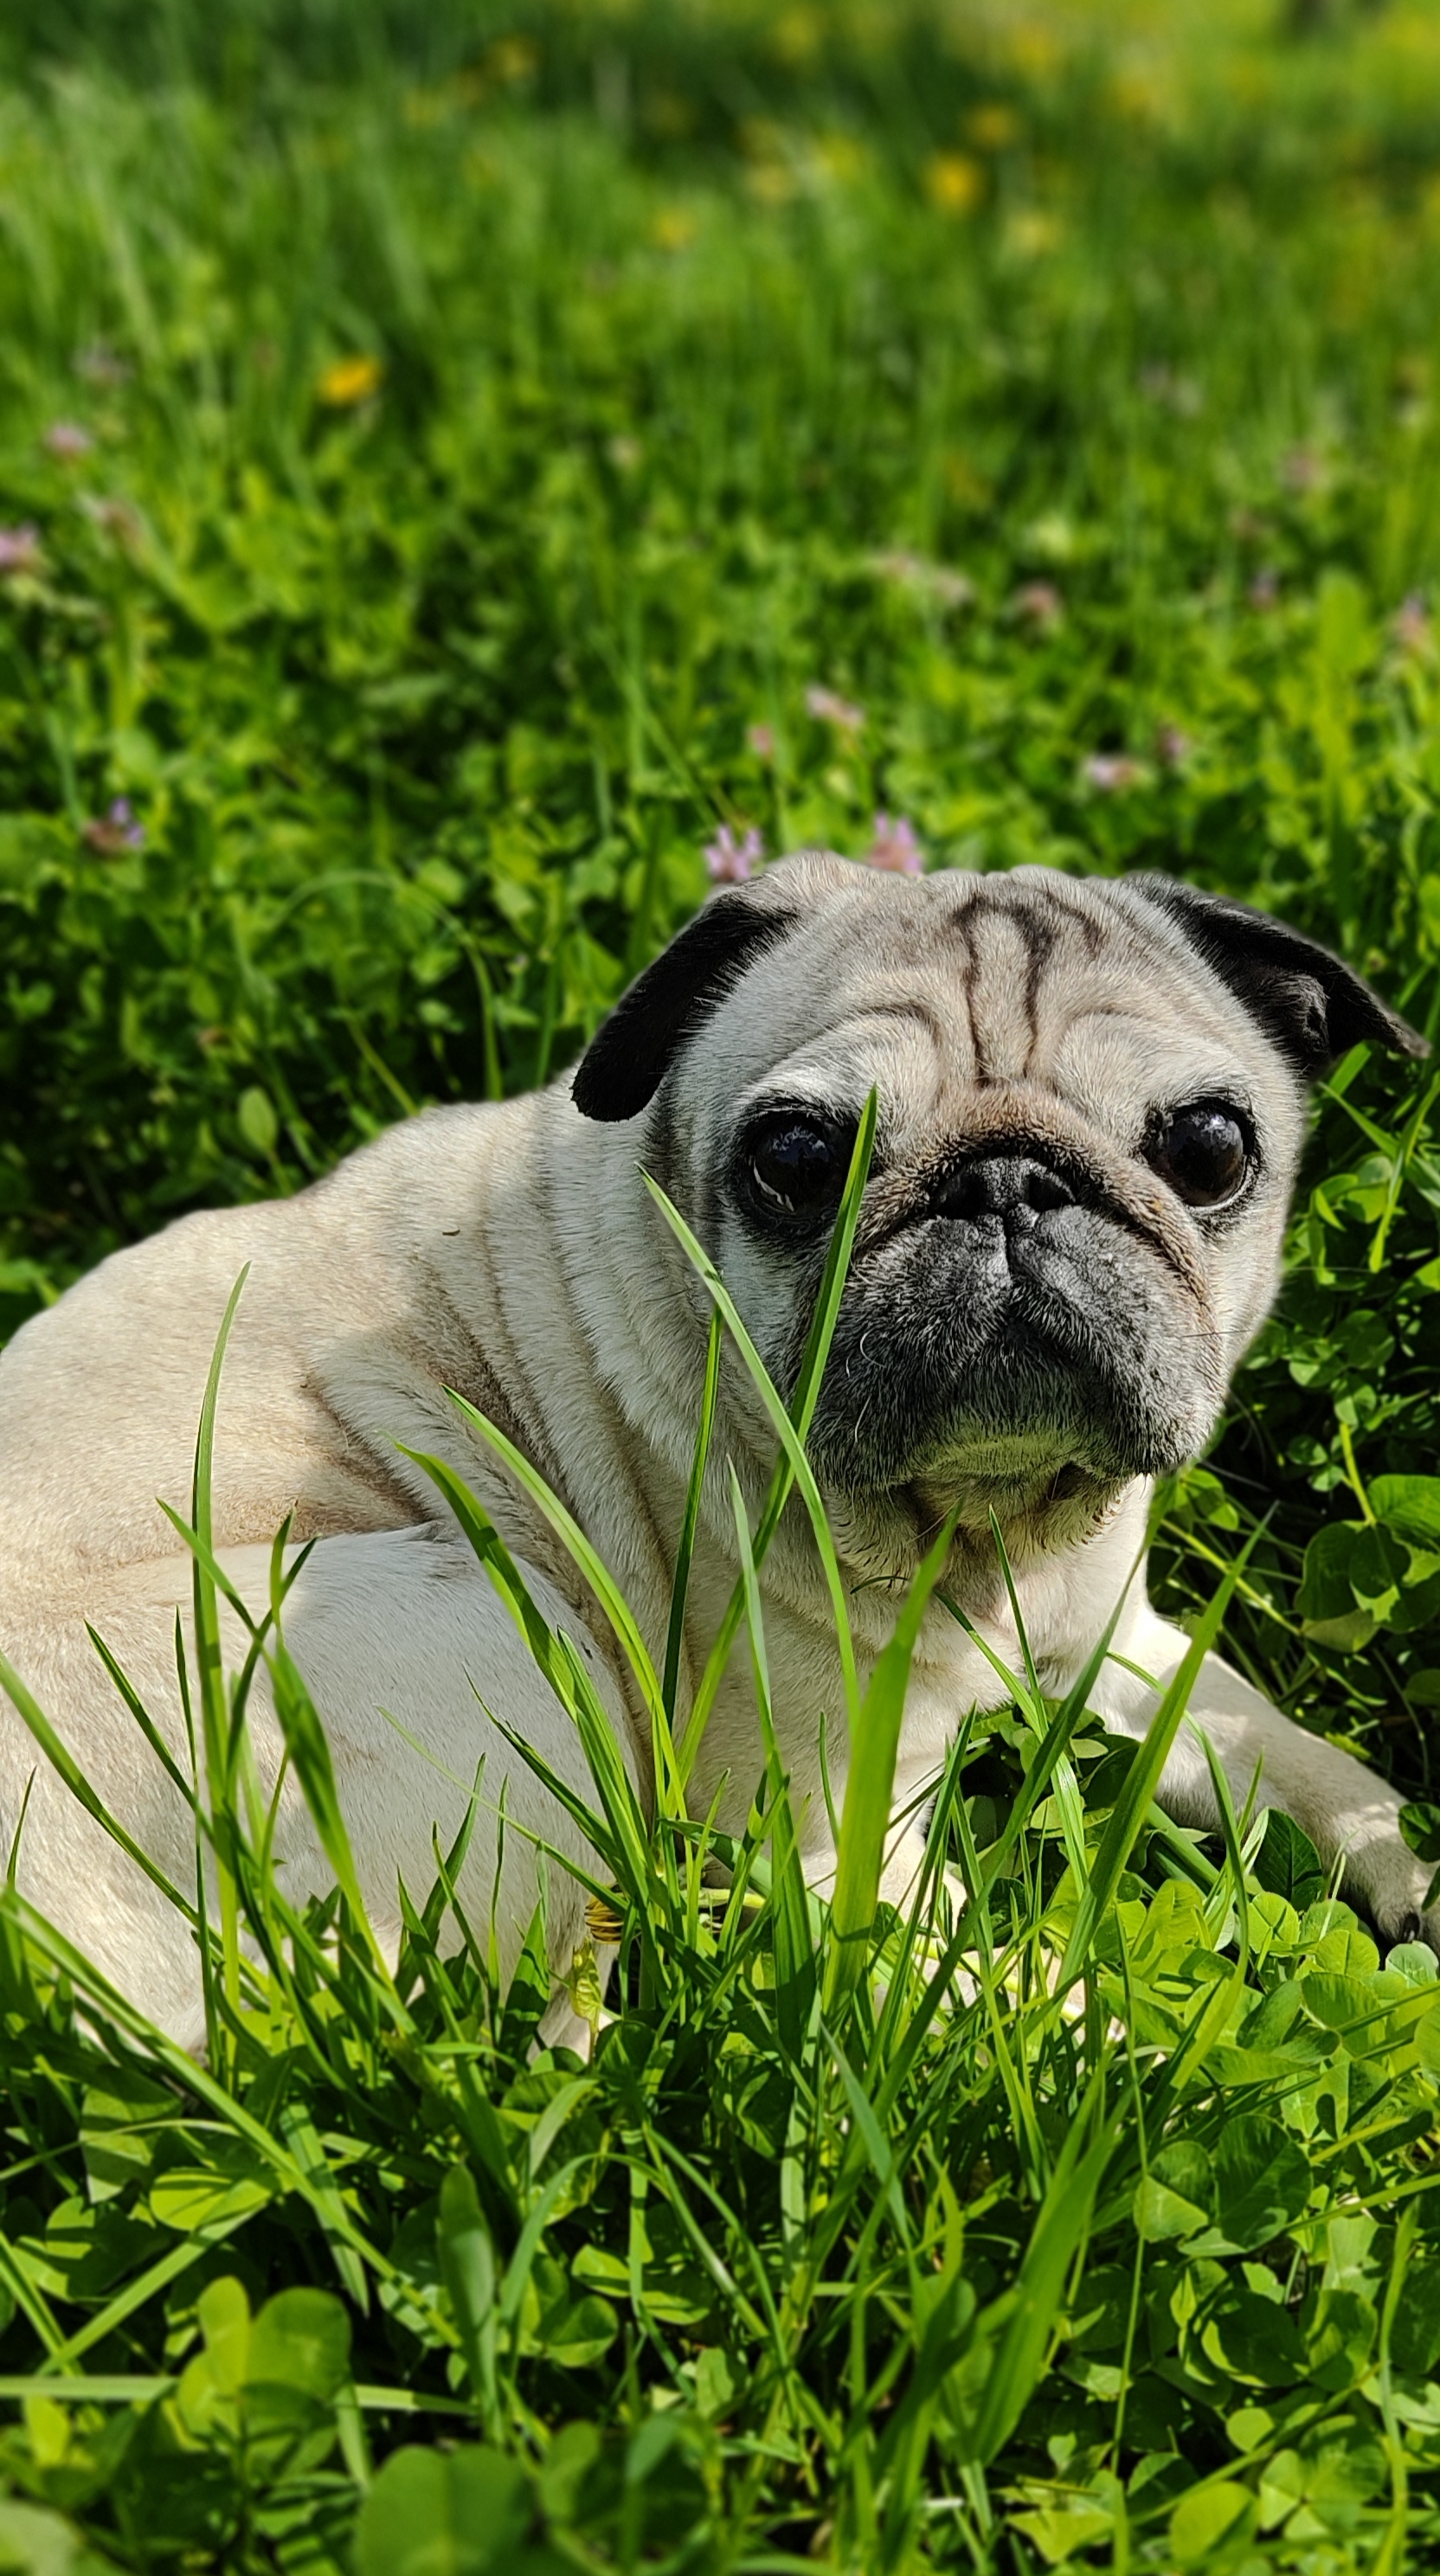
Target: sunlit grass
{"points": [[451, 475]]}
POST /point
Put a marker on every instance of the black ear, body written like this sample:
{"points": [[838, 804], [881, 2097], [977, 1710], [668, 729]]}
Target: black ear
{"points": [[1311, 1004], [631, 1052]]}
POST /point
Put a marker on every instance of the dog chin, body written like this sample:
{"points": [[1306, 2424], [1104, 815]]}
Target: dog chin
{"points": [[1009, 1473]]}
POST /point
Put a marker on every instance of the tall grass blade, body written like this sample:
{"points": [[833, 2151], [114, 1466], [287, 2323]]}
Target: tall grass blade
{"points": [[870, 1782], [790, 1918], [802, 1413], [675, 1636], [214, 1715]]}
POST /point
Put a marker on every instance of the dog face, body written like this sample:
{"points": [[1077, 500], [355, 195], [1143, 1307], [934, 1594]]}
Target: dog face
{"points": [[1091, 1101]]}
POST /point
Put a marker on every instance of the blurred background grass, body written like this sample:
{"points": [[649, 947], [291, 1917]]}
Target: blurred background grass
{"points": [[431, 440], [444, 451]]}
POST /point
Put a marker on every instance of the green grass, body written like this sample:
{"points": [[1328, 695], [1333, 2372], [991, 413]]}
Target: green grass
{"points": [[1049, 384]]}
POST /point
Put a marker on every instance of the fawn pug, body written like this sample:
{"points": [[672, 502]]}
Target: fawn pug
{"points": [[1091, 1103]]}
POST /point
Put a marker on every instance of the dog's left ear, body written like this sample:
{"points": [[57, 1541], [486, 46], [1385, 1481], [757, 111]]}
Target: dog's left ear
{"points": [[1311, 1004], [632, 1051]]}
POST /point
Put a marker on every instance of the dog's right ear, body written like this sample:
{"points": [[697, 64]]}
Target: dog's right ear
{"points": [[633, 1050]]}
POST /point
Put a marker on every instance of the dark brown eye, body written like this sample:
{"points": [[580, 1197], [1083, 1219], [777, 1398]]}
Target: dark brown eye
{"points": [[797, 1166], [1202, 1151]]}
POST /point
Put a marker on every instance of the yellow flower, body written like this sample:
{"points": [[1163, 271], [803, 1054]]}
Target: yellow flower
{"points": [[954, 182], [1034, 49], [798, 34], [673, 228], [349, 380], [424, 107], [840, 157], [513, 58], [1029, 232], [993, 126], [771, 183]]}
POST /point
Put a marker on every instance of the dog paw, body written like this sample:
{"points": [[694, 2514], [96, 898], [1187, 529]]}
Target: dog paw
{"points": [[1398, 1909]]}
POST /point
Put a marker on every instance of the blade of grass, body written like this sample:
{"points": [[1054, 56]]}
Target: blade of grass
{"points": [[870, 1783], [684, 1553], [802, 1413]]}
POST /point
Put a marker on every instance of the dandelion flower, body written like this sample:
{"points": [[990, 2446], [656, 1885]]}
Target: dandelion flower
{"points": [[114, 830], [894, 846], [348, 381], [954, 182], [731, 861], [993, 126], [674, 228]]}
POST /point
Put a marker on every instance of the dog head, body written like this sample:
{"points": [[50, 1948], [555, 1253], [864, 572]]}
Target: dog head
{"points": [[1091, 1104]]}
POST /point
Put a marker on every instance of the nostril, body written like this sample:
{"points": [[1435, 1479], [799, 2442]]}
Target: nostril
{"points": [[1044, 1189], [966, 1193]]}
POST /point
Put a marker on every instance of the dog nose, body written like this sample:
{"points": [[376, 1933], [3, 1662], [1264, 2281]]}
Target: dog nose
{"points": [[1014, 1187]]}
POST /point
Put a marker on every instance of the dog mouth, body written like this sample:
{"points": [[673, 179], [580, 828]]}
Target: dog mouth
{"points": [[1014, 1480], [1011, 1374]]}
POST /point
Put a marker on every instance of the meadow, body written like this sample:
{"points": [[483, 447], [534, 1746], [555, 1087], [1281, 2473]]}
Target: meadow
{"points": [[455, 468]]}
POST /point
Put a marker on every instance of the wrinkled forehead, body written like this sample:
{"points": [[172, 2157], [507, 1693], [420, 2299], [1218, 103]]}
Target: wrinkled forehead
{"points": [[935, 989]]}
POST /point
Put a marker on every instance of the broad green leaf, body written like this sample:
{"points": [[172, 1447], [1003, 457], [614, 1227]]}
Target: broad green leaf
{"points": [[35, 2542], [1409, 1505], [1325, 1593], [1262, 2180], [1211, 2527], [1287, 1862], [438, 2513]]}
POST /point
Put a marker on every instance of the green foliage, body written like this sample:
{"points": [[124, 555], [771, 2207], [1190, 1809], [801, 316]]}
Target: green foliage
{"points": [[493, 431]]}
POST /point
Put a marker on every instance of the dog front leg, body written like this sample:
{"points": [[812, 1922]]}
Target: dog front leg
{"points": [[1347, 1812]]}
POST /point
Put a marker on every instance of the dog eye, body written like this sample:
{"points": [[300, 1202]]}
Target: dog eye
{"points": [[1202, 1151], [797, 1166]]}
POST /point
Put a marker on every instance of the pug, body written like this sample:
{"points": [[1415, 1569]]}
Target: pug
{"points": [[1091, 1105]]}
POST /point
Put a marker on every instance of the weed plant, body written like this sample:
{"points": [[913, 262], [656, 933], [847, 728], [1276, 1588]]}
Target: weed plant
{"points": [[450, 468]]}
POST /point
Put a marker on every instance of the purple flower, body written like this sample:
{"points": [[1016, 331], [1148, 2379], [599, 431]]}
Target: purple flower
{"points": [[1040, 604], [67, 440], [115, 830], [1172, 747], [119, 519], [916, 572], [894, 846], [760, 739], [1410, 624], [828, 707], [20, 549], [1111, 771], [731, 862], [100, 366]]}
